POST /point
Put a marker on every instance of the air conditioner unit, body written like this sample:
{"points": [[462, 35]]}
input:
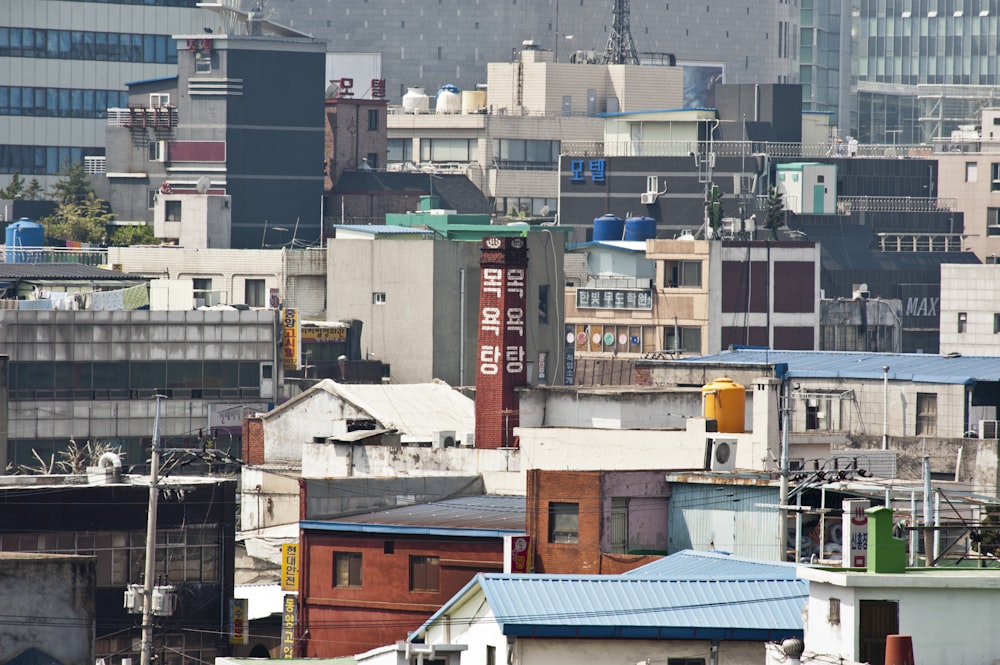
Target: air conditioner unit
{"points": [[469, 439], [647, 198], [988, 429], [720, 455], [445, 439]]}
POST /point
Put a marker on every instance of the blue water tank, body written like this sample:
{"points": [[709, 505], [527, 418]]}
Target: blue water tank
{"points": [[24, 234], [640, 228], [608, 227]]}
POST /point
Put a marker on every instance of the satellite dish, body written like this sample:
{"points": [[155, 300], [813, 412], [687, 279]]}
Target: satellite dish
{"points": [[545, 210], [203, 184]]}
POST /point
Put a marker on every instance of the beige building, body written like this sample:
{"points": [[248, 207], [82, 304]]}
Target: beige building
{"points": [[508, 139]]}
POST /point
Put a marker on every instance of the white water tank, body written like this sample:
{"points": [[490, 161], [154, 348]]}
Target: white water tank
{"points": [[473, 101], [448, 101], [416, 101]]}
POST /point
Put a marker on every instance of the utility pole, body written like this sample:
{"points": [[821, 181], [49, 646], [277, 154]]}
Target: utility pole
{"points": [[147, 595], [784, 401]]}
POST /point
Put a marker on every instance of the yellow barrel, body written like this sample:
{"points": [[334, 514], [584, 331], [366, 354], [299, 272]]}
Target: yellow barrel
{"points": [[725, 402]]}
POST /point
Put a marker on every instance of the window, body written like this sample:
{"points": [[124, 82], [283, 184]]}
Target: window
{"points": [[926, 414], [993, 221], [526, 153], [399, 150], [372, 160], [156, 151], [425, 573], [254, 293], [971, 172], [491, 651], [686, 274], [347, 569], [685, 339], [963, 321], [564, 522], [685, 661], [996, 323], [372, 120], [203, 63], [995, 177], [448, 150], [159, 100], [172, 211], [378, 298], [817, 413], [150, 198], [543, 304], [619, 525], [388, 546]]}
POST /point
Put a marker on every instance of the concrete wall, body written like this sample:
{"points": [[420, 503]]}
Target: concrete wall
{"points": [[949, 621], [966, 177], [622, 408], [969, 290], [53, 599]]}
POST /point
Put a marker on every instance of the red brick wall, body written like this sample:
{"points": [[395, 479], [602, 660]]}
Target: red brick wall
{"points": [[253, 441], [581, 487], [346, 621]]}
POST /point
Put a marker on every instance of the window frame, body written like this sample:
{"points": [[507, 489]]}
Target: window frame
{"points": [[564, 522], [348, 566], [425, 573], [926, 414]]}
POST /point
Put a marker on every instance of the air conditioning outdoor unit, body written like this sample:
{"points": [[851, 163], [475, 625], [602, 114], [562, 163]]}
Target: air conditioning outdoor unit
{"points": [[647, 198], [720, 455], [469, 439], [445, 439], [988, 429]]}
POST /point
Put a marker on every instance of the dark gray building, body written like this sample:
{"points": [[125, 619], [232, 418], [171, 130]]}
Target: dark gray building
{"points": [[231, 145]]}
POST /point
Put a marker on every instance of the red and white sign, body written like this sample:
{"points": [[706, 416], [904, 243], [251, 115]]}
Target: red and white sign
{"points": [[855, 533]]}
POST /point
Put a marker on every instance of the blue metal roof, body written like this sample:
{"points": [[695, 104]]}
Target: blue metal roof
{"points": [[696, 565], [153, 80], [606, 606], [916, 367]]}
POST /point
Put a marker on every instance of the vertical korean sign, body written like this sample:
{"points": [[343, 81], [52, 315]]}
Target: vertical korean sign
{"points": [[239, 630], [501, 361], [289, 616], [290, 336], [290, 567], [855, 533]]}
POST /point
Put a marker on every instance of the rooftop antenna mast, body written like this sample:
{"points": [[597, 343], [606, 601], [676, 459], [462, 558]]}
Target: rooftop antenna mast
{"points": [[621, 48]]}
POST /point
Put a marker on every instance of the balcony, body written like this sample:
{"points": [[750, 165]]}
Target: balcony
{"points": [[88, 257], [159, 117]]}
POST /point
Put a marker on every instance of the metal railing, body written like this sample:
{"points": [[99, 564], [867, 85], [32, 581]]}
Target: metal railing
{"points": [[740, 149], [921, 242], [848, 204], [141, 116], [95, 165], [89, 257]]}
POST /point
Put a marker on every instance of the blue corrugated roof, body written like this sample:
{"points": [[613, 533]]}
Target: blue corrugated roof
{"points": [[695, 565], [604, 606], [916, 367], [152, 80]]}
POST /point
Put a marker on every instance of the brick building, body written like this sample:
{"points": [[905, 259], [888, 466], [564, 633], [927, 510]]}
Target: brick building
{"points": [[371, 578], [596, 522]]}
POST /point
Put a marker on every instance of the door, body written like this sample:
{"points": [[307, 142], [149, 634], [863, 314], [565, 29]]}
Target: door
{"points": [[877, 619], [819, 198]]}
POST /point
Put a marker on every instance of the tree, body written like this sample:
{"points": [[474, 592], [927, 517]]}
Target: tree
{"points": [[72, 185], [775, 212], [15, 190], [125, 236], [34, 190], [82, 221]]}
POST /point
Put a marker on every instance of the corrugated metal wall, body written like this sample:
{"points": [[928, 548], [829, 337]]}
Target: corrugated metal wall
{"points": [[731, 518]]}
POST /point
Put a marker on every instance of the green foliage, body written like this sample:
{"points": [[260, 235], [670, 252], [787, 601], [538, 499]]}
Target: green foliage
{"points": [[15, 190], [125, 236], [72, 185], [34, 190], [83, 221], [775, 212]]}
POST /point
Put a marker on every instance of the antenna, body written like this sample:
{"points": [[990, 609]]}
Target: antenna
{"points": [[621, 48]]}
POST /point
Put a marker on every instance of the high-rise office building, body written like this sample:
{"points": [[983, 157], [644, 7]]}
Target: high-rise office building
{"points": [[65, 62]]}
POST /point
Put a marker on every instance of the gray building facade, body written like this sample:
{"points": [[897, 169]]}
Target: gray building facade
{"points": [[431, 43], [66, 62]]}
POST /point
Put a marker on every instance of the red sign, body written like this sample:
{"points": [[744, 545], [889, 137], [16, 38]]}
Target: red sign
{"points": [[501, 361]]}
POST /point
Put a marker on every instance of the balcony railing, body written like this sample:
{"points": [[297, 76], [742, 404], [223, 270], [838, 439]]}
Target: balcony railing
{"points": [[89, 257], [922, 242], [95, 165], [849, 204], [162, 117], [739, 149]]}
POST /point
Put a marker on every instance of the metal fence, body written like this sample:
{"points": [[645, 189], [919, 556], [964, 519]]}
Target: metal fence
{"points": [[774, 150], [89, 257]]}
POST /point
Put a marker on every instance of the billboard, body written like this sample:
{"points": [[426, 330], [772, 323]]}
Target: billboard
{"points": [[291, 348]]}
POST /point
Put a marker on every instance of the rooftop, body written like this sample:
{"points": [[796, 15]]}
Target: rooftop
{"points": [[63, 271], [915, 367], [696, 565]]}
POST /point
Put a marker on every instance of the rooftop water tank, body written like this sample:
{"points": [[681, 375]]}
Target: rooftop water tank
{"points": [[24, 234], [473, 101], [449, 100], [416, 101], [725, 402], [640, 228], [608, 227]]}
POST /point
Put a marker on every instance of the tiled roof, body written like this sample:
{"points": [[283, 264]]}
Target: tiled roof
{"points": [[62, 271]]}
